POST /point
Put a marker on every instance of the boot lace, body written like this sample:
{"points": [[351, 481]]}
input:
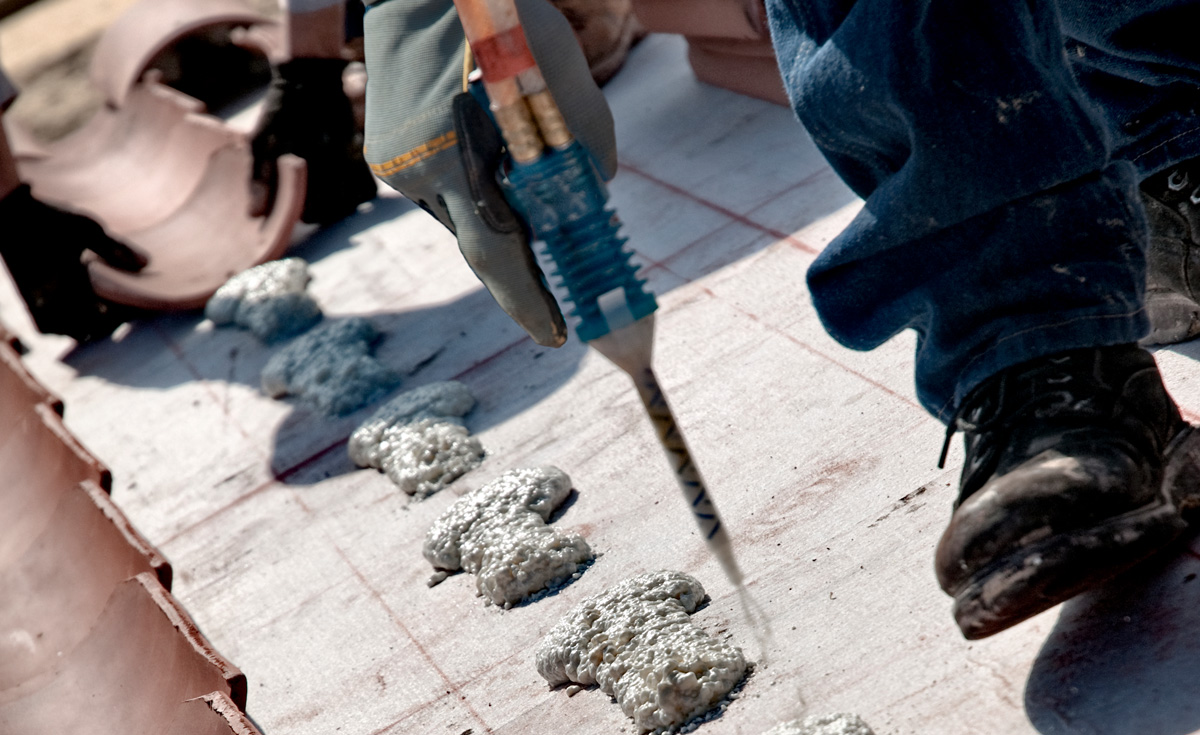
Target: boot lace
{"points": [[1056, 394]]}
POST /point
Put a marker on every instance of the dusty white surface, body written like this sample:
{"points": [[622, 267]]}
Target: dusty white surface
{"points": [[417, 440], [638, 643], [308, 574], [841, 723], [271, 300], [331, 368], [499, 533]]}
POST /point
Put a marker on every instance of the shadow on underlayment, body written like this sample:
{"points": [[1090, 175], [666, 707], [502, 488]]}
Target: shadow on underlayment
{"points": [[1125, 658], [455, 339], [308, 447]]}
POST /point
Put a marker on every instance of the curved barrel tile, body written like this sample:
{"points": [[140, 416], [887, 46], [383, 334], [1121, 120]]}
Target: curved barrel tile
{"points": [[91, 641], [208, 240], [150, 27], [141, 661], [212, 714], [19, 390], [132, 167], [21, 142], [41, 462], [58, 588]]}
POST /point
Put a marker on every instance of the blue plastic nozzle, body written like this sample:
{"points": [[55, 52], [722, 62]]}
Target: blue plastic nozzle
{"points": [[564, 200]]}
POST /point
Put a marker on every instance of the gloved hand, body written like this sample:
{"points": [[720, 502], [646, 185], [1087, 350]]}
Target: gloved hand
{"points": [[43, 248], [436, 146]]}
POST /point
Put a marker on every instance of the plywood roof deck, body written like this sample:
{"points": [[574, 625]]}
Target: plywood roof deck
{"points": [[307, 573]]}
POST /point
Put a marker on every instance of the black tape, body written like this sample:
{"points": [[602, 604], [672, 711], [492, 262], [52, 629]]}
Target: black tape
{"points": [[482, 153]]}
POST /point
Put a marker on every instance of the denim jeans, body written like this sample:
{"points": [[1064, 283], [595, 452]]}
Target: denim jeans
{"points": [[998, 146]]}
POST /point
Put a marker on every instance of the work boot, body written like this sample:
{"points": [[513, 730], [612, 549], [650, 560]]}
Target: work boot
{"points": [[308, 114], [1172, 201], [1062, 484]]}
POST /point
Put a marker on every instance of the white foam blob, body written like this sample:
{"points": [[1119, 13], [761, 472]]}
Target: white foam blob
{"points": [[499, 533], [330, 368], [637, 642], [417, 440], [270, 300]]}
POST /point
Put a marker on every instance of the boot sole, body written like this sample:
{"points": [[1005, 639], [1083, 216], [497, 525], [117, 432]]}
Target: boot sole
{"points": [[1041, 575]]}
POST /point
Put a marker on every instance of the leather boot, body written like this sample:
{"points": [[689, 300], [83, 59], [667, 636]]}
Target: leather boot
{"points": [[1062, 485], [1172, 201]]}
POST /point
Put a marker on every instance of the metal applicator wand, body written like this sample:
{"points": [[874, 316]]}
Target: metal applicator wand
{"points": [[553, 184], [630, 348]]}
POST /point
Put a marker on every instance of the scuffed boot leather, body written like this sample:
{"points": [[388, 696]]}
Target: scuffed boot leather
{"points": [[1062, 485], [1172, 201]]}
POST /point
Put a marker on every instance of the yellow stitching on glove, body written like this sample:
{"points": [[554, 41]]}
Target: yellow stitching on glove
{"points": [[416, 155]]}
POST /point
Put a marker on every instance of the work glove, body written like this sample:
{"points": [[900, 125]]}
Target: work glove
{"points": [[433, 143], [44, 250], [307, 113]]}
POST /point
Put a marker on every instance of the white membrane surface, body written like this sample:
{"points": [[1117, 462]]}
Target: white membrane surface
{"points": [[417, 439], [638, 643], [270, 300], [330, 368], [499, 533]]}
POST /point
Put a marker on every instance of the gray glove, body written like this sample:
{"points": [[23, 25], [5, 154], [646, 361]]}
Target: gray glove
{"points": [[436, 147]]}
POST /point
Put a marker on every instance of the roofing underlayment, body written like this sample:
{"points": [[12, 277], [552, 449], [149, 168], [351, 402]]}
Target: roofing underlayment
{"points": [[308, 574]]}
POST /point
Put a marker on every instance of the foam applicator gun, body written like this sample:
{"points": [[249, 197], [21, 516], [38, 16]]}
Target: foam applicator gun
{"points": [[551, 181]]}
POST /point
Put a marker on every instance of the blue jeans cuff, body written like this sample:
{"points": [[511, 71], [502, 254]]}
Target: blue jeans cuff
{"points": [[1069, 332]]}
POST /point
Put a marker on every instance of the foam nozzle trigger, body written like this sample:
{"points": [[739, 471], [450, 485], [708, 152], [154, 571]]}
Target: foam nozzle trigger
{"points": [[564, 200]]}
